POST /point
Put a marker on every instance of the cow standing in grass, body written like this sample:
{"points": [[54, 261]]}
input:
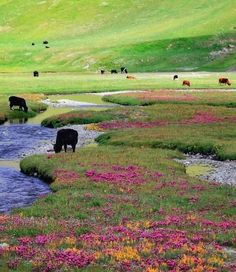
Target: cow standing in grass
{"points": [[114, 71], [186, 83], [18, 101], [66, 137], [175, 77], [224, 80], [131, 77]]}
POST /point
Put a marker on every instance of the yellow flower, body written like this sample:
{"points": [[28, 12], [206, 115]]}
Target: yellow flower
{"points": [[187, 260], [150, 269], [216, 260], [70, 240], [97, 255], [126, 254], [199, 249]]}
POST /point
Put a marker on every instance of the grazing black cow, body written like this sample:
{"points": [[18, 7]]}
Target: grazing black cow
{"points": [[45, 42], [123, 70], [18, 101], [66, 136], [102, 72], [47, 46], [175, 77], [36, 73], [114, 71], [33, 43]]}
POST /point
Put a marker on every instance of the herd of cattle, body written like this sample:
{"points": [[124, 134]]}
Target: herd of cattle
{"points": [[70, 136]]}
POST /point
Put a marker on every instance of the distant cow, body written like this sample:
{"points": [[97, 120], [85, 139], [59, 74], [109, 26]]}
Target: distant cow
{"points": [[36, 73], [66, 137], [131, 77], [33, 43], [175, 77], [102, 72], [47, 46], [122, 69], [224, 80], [114, 71], [45, 42], [18, 101], [186, 83]]}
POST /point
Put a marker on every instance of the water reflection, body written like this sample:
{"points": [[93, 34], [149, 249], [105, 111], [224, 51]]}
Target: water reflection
{"points": [[18, 121]]}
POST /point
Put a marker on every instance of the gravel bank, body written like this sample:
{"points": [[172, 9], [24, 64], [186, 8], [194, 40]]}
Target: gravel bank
{"points": [[222, 171], [85, 137]]}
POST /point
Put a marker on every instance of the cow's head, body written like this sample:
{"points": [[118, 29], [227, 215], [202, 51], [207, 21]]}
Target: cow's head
{"points": [[228, 83], [57, 148], [25, 109]]}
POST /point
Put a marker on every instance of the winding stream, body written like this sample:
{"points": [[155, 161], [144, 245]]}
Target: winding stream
{"points": [[16, 141], [19, 138], [22, 139]]}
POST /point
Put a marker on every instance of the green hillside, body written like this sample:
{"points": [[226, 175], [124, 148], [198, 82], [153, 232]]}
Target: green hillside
{"points": [[86, 35]]}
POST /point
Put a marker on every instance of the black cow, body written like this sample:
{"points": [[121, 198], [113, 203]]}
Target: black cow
{"points": [[18, 101], [45, 42], [33, 43], [123, 70], [36, 73], [175, 77], [102, 72], [114, 71], [47, 46], [66, 136]]}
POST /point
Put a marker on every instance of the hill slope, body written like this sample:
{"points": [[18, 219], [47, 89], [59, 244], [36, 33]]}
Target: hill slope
{"points": [[151, 35]]}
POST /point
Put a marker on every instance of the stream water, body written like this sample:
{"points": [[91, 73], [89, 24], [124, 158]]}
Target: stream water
{"points": [[19, 138]]}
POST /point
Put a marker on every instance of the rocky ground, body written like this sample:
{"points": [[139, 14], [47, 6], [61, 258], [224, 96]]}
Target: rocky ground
{"points": [[85, 137], [221, 171]]}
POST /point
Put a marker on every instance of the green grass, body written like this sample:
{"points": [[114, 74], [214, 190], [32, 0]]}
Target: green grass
{"points": [[90, 35], [207, 139], [195, 97], [175, 127], [74, 83]]}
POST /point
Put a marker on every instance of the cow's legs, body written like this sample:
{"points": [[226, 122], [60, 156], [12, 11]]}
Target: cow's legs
{"points": [[65, 147], [73, 147]]}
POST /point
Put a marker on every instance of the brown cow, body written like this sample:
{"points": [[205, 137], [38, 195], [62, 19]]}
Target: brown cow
{"points": [[131, 77], [224, 80], [186, 82]]}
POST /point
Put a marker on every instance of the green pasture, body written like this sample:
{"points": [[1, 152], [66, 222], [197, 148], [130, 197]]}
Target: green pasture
{"points": [[178, 130], [144, 36], [72, 83]]}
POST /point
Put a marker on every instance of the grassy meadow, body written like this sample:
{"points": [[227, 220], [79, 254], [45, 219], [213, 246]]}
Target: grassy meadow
{"points": [[123, 204], [73, 83], [158, 35]]}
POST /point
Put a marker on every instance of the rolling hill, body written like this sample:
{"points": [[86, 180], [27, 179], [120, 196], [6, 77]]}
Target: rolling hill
{"points": [[87, 35]]}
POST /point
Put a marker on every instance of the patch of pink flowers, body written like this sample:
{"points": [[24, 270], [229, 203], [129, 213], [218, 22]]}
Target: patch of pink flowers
{"points": [[121, 175], [162, 96], [130, 124], [202, 117], [65, 176]]}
